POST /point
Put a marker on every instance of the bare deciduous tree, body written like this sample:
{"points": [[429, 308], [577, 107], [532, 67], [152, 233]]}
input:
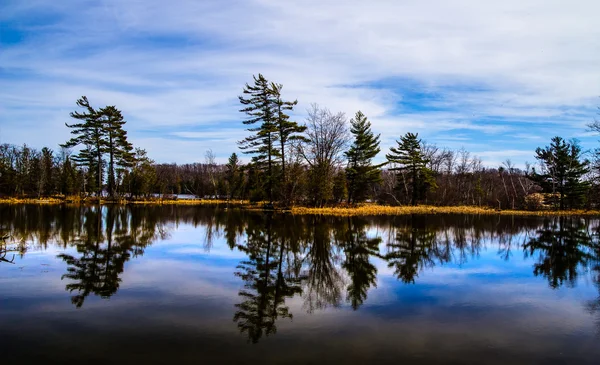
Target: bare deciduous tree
{"points": [[327, 138]]}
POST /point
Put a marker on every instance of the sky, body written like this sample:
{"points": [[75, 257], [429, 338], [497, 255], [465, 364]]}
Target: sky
{"points": [[498, 78]]}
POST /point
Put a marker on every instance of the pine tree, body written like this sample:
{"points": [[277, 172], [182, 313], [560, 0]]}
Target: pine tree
{"points": [[287, 130], [67, 177], [89, 132], [562, 171], [233, 175], [47, 176], [259, 107], [361, 173], [117, 146], [409, 158]]}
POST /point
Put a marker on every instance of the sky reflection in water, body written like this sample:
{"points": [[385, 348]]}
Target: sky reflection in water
{"points": [[194, 284]]}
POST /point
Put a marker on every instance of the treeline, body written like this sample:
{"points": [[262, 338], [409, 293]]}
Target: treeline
{"points": [[326, 160]]}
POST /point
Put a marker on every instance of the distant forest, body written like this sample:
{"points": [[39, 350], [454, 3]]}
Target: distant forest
{"points": [[324, 160]]}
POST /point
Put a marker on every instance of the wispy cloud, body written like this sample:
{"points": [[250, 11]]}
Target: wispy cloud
{"points": [[482, 71]]}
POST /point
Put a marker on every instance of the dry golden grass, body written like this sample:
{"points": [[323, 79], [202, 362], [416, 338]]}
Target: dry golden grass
{"points": [[427, 209], [187, 202], [157, 201], [31, 201], [364, 210]]}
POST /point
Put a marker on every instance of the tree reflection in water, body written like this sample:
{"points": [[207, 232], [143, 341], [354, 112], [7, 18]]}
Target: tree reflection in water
{"points": [[324, 283], [104, 245], [412, 250], [562, 246], [322, 261], [265, 285], [567, 247], [358, 249]]}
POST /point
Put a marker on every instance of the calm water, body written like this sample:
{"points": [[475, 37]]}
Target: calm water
{"points": [[164, 285]]}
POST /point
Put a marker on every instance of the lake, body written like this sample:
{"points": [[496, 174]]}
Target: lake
{"points": [[192, 284]]}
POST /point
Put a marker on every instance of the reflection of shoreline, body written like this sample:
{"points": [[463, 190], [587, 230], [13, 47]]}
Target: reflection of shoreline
{"points": [[327, 261]]}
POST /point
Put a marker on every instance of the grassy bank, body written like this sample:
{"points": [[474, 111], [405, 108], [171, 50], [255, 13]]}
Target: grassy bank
{"points": [[157, 201], [366, 209], [427, 209]]}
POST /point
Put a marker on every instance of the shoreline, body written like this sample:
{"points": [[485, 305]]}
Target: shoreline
{"points": [[361, 210]]}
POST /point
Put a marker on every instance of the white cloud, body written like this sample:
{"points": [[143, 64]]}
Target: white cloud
{"points": [[181, 65]]}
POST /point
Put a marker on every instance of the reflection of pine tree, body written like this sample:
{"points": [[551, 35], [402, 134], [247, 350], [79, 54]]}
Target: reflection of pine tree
{"points": [[324, 282], [563, 244], [104, 250], [86, 270], [358, 249], [265, 287], [412, 250]]}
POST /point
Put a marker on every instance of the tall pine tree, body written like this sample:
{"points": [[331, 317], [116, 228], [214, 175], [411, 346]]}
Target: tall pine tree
{"points": [[409, 159], [259, 104], [562, 172], [118, 148], [287, 130], [360, 172], [88, 131]]}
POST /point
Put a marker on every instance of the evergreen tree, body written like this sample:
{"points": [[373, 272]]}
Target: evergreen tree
{"points": [[361, 173], [287, 130], [141, 178], [118, 148], [233, 175], [47, 177], [562, 171], [68, 177], [88, 131], [258, 104], [409, 158]]}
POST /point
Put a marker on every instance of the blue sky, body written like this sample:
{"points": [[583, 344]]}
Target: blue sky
{"points": [[497, 78]]}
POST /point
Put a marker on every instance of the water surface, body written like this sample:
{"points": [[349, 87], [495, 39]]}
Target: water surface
{"points": [[163, 285]]}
